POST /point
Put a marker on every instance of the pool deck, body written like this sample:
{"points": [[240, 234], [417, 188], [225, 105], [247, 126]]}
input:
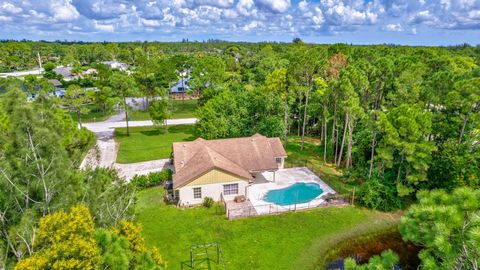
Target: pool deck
{"points": [[283, 179]]}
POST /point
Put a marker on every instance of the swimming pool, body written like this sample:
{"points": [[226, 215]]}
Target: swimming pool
{"points": [[294, 194]]}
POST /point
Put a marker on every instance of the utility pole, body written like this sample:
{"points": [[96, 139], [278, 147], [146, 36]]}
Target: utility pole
{"points": [[39, 59]]}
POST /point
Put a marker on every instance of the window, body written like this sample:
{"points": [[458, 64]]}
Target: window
{"points": [[197, 193], [230, 189], [278, 159]]}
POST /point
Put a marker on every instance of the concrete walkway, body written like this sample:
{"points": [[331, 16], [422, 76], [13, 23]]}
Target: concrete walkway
{"points": [[104, 153]]}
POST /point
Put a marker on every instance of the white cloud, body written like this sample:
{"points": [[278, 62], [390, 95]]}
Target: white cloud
{"points": [[394, 27], [5, 18], [215, 3], [421, 17], [64, 12], [277, 6], [318, 18], [245, 7], [250, 26], [229, 14], [345, 13], [10, 8], [104, 27], [303, 5], [150, 23]]}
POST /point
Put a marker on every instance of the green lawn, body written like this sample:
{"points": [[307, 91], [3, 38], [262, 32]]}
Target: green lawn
{"points": [[149, 143], [180, 109], [295, 240]]}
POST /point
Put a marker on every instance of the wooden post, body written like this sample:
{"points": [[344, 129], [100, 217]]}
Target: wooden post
{"points": [[353, 196]]}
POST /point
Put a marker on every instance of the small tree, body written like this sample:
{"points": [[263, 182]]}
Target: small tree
{"points": [[160, 110], [64, 241], [122, 87], [76, 100]]}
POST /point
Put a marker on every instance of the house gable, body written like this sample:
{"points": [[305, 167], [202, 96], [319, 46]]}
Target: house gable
{"points": [[215, 176]]}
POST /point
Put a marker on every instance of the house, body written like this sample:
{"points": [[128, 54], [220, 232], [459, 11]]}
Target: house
{"points": [[66, 73], [223, 169], [56, 83], [116, 65], [181, 88], [90, 72]]}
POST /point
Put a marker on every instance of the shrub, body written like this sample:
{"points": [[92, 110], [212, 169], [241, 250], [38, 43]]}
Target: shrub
{"points": [[378, 195], [152, 179], [208, 202]]}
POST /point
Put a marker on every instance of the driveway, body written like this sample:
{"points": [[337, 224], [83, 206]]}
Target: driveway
{"points": [[142, 168], [109, 126], [104, 153]]}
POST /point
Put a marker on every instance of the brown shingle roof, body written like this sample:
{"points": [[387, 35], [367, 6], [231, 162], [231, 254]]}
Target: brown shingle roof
{"points": [[239, 156]]}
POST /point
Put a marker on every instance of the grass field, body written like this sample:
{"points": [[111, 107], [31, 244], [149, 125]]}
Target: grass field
{"points": [[295, 240], [180, 109], [149, 143]]}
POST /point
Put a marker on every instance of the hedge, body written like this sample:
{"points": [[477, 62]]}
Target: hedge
{"points": [[152, 179]]}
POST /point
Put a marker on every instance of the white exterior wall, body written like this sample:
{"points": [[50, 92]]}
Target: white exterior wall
{"points": [[281, 164], [209, 190]]}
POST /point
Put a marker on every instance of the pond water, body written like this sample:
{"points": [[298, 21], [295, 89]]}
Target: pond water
{"points": [[363, 250]]}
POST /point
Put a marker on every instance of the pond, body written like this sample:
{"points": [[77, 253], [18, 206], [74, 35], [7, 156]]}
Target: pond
{"points": [[364, 248]]}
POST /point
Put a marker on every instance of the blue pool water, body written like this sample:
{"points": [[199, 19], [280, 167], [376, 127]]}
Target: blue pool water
{"points": [[296, 193]]}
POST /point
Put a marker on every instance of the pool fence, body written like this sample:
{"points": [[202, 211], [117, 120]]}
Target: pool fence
{"points": [[247, 209]]}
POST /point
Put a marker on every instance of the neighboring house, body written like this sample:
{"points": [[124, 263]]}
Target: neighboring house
{"points": [[59, 92], [66, 73], [116, 65], [55, 83], [222, 169], [181, 88], [90, 72]]}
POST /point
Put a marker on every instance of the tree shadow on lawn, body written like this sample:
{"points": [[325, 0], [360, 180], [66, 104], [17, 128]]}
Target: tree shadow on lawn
{"points": [[172, 131]]}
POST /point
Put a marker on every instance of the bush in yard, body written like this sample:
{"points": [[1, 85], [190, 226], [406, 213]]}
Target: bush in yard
{"points": [[152, 179], [208, 202], [378, 194]]}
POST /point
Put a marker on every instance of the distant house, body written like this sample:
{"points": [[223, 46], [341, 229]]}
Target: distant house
{"points": [[90, 72], [66, 73], [55, 83], [222, 169], [181, 88], [116, 65], [59, 92]]}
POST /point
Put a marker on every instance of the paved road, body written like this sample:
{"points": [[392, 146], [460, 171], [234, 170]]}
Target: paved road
{"points": [[104, 154], [109, 126]]}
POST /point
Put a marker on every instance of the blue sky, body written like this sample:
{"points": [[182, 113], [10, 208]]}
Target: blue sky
{"points": [[419, 22]]}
